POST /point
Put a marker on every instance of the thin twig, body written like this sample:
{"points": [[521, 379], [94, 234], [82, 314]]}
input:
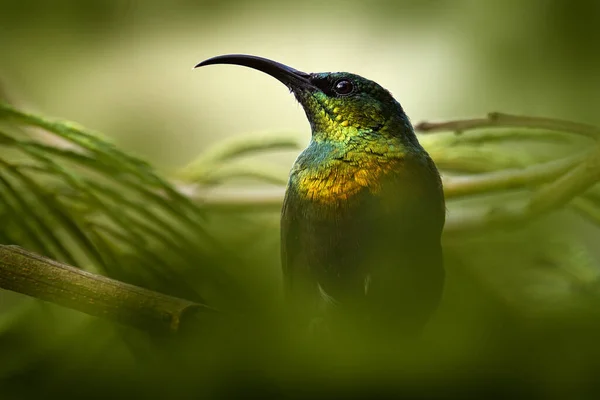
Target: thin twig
{"points": [[31, 274], [496, 119]]}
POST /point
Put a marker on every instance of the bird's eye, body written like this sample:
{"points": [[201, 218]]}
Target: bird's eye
{"points": [[343, 87]]}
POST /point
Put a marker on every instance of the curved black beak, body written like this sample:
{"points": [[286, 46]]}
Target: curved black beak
{"points": [[290, 77]]}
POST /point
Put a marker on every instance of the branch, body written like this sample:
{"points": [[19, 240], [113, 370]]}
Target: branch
{"points": [[28, 273], [497, 120]]}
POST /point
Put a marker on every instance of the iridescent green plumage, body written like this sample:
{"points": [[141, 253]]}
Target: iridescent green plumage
{"points": [[364, 208]]}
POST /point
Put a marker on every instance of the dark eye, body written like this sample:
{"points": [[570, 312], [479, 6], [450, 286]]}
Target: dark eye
{"points": [[343, 87]]}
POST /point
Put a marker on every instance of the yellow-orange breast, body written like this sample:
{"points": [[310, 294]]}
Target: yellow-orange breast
{"points": [[340, 180]]}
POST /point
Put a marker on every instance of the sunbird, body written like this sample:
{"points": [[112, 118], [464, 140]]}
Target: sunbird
{"points": [[364, 208]]}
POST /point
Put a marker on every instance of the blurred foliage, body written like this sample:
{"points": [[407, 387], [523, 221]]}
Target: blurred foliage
{"points": [[520, 311], [124, 67], [518, 300]]}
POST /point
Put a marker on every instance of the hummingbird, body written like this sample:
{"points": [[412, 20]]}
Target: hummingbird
{"points": [[364, 208]]}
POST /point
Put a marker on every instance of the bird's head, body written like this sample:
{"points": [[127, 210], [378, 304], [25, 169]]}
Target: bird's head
{"points": [[339, 105]]}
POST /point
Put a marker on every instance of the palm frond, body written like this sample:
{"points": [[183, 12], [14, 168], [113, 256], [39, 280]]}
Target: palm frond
{"points": [[81, 200]]}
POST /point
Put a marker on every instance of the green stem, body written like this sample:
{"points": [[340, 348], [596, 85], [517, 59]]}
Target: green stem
{"points": [[46, 279], [515, 178], [569, 185], [497, 120], [544, 200]]}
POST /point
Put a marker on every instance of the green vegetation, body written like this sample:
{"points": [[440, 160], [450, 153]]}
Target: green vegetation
{"points": [[520, 306]]}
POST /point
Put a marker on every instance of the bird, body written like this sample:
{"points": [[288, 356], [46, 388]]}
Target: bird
{"points": [[363, 211]]}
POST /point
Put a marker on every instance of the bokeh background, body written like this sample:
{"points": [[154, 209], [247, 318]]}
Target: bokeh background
{"points": [[124, 68]]}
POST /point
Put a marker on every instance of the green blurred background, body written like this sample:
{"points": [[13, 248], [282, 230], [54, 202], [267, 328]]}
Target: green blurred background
{"points": [[124, 68]]}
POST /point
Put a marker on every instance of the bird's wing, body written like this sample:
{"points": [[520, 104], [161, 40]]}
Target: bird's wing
{"points": [[293, 252], [288, 237], [303, 253], [407, 258]]}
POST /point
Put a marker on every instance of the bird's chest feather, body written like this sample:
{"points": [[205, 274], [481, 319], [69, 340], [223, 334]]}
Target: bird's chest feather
{"points": [[362, 199], [339, 181], [337, 197]]}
